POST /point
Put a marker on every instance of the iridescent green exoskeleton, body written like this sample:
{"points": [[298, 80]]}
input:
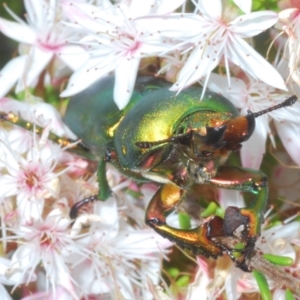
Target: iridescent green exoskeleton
{"points": [[177, 141]]}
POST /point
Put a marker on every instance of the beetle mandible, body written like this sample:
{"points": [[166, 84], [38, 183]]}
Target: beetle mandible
{"points": [[177, 141]]}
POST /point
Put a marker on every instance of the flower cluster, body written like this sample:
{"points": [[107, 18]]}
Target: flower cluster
{"points": [[40, 182], [108, 252]]}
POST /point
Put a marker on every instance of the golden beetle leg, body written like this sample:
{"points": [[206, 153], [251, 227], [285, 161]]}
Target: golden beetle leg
{"points": [[197, 240], [251, 217]]}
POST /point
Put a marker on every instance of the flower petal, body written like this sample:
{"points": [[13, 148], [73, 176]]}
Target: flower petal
{"points": [[35, 12], [36, 63], [41, 113], [44, 113], [200, 286], [19, 32], [200, 63], [254, 149], [73, 56], [63, 274], [108, 213], [82, 13], [212, 8], [29, 210], [9, 105], [137, 242], [167, 6], [254, 23], [237, 93], [15, 273], [140, 8], [87, 74], [9, 76], [173, 25], [244, 56], [279, 294], [286, 17], [7, 182], [126, 73], [136, 8], [289, 134]]}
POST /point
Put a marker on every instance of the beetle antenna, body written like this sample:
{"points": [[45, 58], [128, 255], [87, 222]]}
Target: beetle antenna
{"points": [[288, 102]]}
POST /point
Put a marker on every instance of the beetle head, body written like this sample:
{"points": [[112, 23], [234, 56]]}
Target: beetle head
{"points": [[205, 150], [198, 151], [232, 133]]}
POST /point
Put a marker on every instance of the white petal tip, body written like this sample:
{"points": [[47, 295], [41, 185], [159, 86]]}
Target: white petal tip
{"points": [[67, 93], [174, 88], [121, 104]]}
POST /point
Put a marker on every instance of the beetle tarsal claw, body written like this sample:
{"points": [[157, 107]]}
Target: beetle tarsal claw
{"points": [[233, 219], [240, 257], [243, 261]]}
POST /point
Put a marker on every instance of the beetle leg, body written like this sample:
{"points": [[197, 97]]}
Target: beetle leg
{"points": [[251, 217], [196, 239], [104, 190], [77, 206]]}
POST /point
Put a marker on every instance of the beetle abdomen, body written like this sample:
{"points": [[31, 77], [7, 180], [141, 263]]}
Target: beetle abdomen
{"points": [[93, 115]]}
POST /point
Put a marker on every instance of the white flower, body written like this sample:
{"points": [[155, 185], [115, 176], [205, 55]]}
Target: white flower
{"points": [[59, 293], [42, 39], [289, 22], [211, 36], [116, 252], [44, 242], [246, 93], [115, 43], [15, 279], [112, 250], [202, 280], [36, 111], [30, 178], [19, 139], [157, 291]]}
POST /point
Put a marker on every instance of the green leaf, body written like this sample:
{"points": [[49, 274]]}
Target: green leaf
{"points": [[289, 295], [262, 285], [173, 272], [184, 220], [183, 281], [279, 260], [210, 210]]}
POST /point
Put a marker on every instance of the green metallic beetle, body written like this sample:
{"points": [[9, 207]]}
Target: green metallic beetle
{"points": [[177, 141]]}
